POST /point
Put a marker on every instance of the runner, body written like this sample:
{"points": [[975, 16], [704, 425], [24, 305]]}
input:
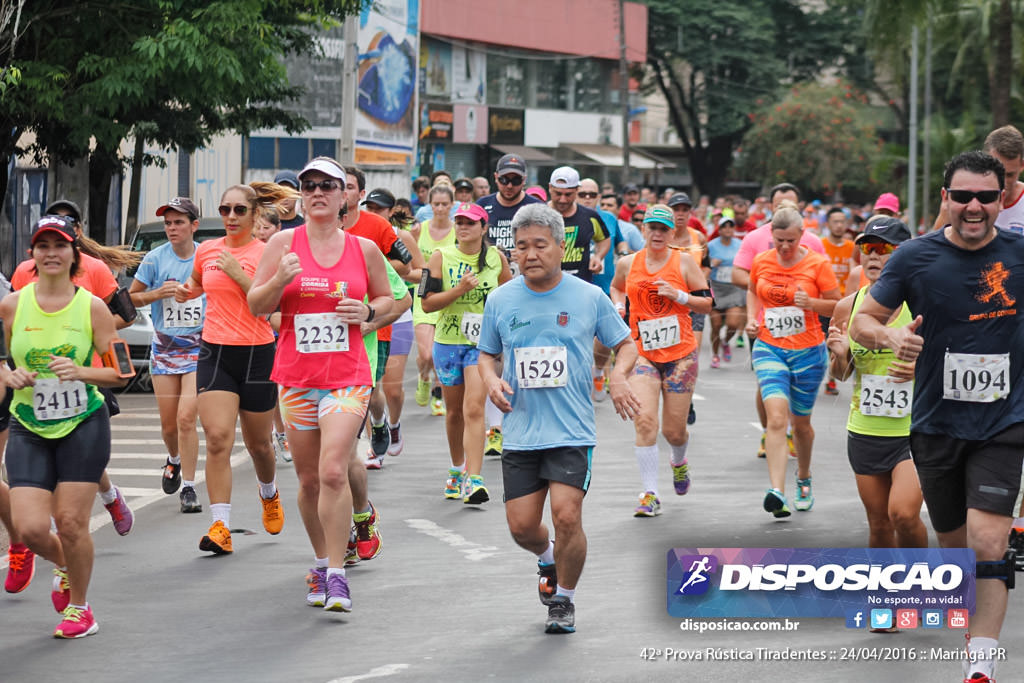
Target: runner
{"points": [[793, 286], [582, 226], [661, 289], [963, 284], [730, 301], [60, 435], [878, 441], [175, 348], [542, 324], [323, 370], [466, 274], [236, 353]]}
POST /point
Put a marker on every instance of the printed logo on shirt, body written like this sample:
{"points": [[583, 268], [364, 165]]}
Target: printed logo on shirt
{"points": [[992, 290], [563, 319]]}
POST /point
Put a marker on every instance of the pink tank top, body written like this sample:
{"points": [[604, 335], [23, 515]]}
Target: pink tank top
{"points": [[315, 350]]}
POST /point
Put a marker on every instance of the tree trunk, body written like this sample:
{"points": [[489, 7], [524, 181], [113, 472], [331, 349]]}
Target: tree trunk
{"points": [[102, 166], [131, 222], [1001, 75]]}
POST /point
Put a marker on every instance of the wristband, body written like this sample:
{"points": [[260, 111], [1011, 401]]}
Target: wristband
{"points": [[682, 298], [620, 307], [370, 313]]}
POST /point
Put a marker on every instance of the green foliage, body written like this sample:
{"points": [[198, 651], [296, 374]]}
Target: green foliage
{"points": [[821, 138]]}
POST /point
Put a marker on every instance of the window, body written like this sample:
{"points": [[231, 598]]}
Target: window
{"points": [[292, 153], [261, 153], [506, 81]]}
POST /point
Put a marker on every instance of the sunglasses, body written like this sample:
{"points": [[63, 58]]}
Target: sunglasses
{"points": [[324, 185], [965, 196], [511, 180], [237, 209], [586, 195], [880, 248], [637, 219]]}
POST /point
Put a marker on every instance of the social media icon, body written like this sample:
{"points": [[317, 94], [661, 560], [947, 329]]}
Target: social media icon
{"points": [[906, 618], [957, 618], [881, 618], [931, 618], [856, 619]]}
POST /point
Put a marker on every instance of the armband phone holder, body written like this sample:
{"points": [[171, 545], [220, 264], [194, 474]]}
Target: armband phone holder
{"points": [[117, 357]]}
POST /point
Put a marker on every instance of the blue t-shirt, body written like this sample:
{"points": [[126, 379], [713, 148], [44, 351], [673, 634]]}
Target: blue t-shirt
{"points": [[499, 220], [717, 250], [634, 238], [570, 315], [611, 225], [159, 266], [968, 302]]}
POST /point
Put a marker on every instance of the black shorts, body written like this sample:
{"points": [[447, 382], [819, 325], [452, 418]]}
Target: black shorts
{"points": [[383, 351], [5, 409], [697, 321], [957, 474], [876, 454], [242, 370], [525, 472], [42, 463]]}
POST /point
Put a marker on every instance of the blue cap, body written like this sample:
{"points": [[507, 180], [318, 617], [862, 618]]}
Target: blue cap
{"points": [[287, 178]]}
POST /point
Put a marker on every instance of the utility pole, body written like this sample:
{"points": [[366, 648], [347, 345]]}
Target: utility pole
{"points": [[912, 162], [624, 91], [350, 65], [926, 214]]}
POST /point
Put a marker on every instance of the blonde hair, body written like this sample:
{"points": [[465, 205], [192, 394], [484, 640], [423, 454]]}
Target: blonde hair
{"points": [[272, 195], [786, 216], [115, 258]]}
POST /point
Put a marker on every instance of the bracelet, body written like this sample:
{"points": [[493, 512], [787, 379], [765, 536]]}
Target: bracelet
{"points": [[370, 312], [620, 307], [683, 297]]}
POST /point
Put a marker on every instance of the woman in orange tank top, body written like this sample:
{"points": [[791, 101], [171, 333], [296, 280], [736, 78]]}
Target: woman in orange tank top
{"points": [[657, 289]]}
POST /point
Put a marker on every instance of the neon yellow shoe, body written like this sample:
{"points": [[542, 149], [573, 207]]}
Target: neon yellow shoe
{"points": [[494, 441], [422, 391]]}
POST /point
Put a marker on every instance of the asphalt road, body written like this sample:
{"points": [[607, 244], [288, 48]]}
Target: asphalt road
{"points": [[451, 596]]}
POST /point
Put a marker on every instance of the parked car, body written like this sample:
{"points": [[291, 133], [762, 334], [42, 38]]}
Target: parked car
{"points": [[139, 334]]}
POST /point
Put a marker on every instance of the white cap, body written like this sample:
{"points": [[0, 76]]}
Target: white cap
{"points": [[565, 178], [326, 165]]}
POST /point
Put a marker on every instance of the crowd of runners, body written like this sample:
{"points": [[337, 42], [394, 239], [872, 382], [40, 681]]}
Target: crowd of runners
{"points": [[524, 307]]}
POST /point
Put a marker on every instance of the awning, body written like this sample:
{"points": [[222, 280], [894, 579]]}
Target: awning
{"points": [[529, 154], [611, 155]]}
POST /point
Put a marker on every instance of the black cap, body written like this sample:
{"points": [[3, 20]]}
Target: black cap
{"points": [[885, 228], [68, 206], [61, 225], [510, 163], [463, 184], [630, 187], [679, 198], [181, 205], [381, 197], [287, 178]]}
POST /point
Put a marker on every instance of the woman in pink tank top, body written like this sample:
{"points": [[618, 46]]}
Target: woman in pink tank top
{"points": [[322, 278]]}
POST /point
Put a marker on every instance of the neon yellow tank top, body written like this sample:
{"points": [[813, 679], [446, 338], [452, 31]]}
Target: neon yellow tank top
{"points": [[459, 322], [35, 336], [428, 246], [876, 362]]}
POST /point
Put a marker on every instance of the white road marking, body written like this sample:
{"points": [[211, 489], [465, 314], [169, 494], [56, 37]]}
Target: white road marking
{"points": [[698, 397], [472, 551], [757, 426], [378, 672], [149, 429]]}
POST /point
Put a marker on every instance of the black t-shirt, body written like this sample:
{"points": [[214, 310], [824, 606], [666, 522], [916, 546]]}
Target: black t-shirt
{"points": [[580, 228], [969, 302], [499, 220], [289, 223]]}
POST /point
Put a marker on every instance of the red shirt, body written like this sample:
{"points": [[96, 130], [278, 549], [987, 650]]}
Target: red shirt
{"points": [[379, 231], [626, 212]]}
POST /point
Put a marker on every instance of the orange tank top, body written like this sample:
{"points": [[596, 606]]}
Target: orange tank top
{"points": [[661, 327], [695, 249]]}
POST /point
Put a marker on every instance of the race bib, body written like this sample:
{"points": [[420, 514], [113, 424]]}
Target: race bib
{"points": [[785, 321], [470, 326], [540, 367], [182, 315], [56, 400], [978, 378], [659, 333], [723, 274], [881, 395], [320, 333]]}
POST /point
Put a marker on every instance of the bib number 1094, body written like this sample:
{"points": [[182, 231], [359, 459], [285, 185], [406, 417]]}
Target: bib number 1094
{"points": [[976, 378]]}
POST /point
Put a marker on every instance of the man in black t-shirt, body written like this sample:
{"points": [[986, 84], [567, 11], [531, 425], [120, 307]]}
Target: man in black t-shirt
{"points": [[501, 206], [581, 226], [290, 216]]}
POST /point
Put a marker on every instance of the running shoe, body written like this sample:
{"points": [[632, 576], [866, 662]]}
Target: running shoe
{"points": [[494, 441], [374, 461], [337, 598], [21, 567], [681, 478], [281, 447], [762, 452], [78, 622], [453, 487], [217, 540], [804, 499], [739, 341], [273, 513], [1017, 545], [790, 444], [979, 677], [60, 593], [716, 362], [171, 477], [476, 492], [368, 540], [692, 416], [189, 500], [561, 616], [547, 583], [649, 505], [775, 503], [437, 408], [316, 582], [422, 391], [380, 439], [727, 353], [598, 393], [395, 435], [830, 388], [351, 552], [121, 514]]}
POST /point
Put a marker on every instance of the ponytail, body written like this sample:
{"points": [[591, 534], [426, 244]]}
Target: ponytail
{"points": [[115, 258]]}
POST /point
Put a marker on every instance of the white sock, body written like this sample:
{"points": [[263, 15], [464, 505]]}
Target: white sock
{"points": [[221, 512], [109, 496], [596, 372], [394, 426], [320, 562], [548, 556], [377, 420], [335, 571], [175, 459], [679, 454], [267, 491], [1018, 522], [492, 416], [647, 459], [567, 592], [981, 650], [188, 484]]}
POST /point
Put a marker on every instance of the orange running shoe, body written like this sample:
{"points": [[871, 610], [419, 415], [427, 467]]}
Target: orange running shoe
{"points": [[273, 513], [217, 540]]}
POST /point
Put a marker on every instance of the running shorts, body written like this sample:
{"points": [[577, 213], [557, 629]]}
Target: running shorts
{"points": [[792, 374], [525, 472], [401, 338], [242, 370], [697, 321], [302, 409], [676, 376], [451, 361], [42, 463], [174, 354], [870, 455]]}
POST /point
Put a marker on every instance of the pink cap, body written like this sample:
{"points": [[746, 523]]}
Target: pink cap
{"points": [[474, 212], [888, 201], [538, 192]]}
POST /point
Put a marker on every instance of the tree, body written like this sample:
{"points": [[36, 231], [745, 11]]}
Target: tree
{"points": [[86, 75], [819, 138]]}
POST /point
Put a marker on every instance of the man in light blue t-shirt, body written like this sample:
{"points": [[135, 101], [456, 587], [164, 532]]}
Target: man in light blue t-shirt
{"points": [[542, 324]]}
